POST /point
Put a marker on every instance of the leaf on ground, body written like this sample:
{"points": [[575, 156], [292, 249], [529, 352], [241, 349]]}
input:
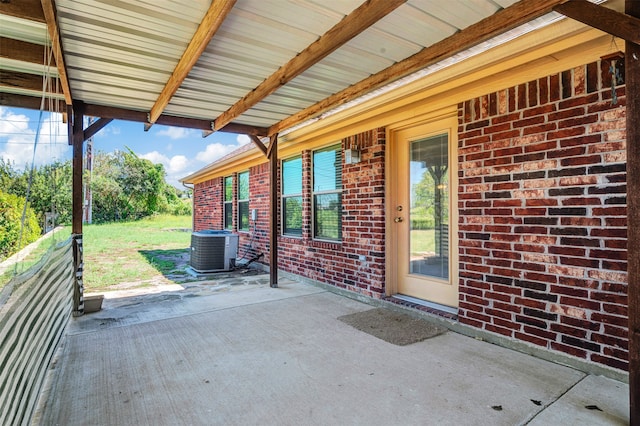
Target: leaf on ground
{"points": [[592, 407], [536, 402], [497, 407]]}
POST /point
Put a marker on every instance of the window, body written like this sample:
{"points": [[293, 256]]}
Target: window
{"points": [[228, 202], [429, 213], [292, 196], [243, 201], [327, 193]]}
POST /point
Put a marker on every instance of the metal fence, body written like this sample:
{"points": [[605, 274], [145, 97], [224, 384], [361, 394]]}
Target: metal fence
{"points": [[35, 307]]}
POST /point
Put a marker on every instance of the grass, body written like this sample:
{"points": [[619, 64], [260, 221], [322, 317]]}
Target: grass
{"points": [[132, 252], [423, 241]]}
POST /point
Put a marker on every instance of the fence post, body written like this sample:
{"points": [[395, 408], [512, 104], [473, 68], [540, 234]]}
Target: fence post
{"points": [[78, 286]]}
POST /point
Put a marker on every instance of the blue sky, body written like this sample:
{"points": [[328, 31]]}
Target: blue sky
{"points": [[181, 151]]}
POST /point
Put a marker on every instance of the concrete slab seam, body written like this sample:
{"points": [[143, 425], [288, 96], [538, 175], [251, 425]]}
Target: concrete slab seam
{"points": [[545, 406]]}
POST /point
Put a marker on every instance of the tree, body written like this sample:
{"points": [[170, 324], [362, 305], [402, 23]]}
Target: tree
{"points": [[142, 181], [126, 186], [50, 189], [8, 174], [11, 237]]}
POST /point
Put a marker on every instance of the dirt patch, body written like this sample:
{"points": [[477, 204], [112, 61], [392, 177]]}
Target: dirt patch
{"points": [[393, 327], [172, 267]]}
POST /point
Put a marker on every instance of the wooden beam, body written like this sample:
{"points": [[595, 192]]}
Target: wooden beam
{"points": [[76, 183], [21, 50], [350, 26], [27, 81], [25, 9], [69, 115], [31, 102], [169, 120], [615, 23], [273, 207], [270, 149], [49, 9], [632, 81], [517, 14], [243, 129], [257, 142], [213, 19], [95, 127]]}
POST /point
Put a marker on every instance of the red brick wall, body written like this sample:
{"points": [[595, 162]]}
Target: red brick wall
{"points": [[256, 241], [336, 263], [542, 203], [208, 211], [363, 225]]}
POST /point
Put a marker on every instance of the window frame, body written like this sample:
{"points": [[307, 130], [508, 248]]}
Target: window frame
{"points": [[227, 204], [284, 197], [337, 147], [241, 201]]}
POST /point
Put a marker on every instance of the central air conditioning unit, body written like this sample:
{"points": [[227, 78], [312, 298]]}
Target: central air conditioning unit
{"points": [[213, 251]]}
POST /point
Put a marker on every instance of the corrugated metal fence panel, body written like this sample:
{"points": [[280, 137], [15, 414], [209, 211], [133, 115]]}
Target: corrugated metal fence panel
{"points": [[34, 311]]}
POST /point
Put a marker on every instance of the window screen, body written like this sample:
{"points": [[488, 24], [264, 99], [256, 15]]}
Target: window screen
{"points": [[228, 202], [292, 196], [243, 201], [327, 193]]}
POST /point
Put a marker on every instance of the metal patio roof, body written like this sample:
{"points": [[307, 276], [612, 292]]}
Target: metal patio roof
{"points": [[248, 66]]}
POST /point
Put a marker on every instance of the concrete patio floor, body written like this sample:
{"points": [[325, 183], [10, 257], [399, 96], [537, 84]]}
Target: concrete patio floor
{"points": [[244, 353]]}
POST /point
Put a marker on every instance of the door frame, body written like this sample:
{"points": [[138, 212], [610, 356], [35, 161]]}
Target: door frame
{"points": [[441, 120]]}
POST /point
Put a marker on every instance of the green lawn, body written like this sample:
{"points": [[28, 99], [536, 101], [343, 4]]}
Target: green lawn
{"points": [[423, 241], [131, 252]]}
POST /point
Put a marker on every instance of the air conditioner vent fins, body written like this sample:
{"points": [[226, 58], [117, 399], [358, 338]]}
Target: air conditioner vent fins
{"points": [[213, 250]]}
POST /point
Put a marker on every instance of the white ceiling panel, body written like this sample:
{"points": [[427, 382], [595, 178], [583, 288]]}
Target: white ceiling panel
{"points": [[21, 29], [121, 53]]}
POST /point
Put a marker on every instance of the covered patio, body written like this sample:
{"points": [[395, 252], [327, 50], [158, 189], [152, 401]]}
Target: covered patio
{"points": [[250, 354], [280, 72]]}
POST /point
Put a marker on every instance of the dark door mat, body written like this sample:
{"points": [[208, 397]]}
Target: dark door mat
{"points": [[393, 327]]}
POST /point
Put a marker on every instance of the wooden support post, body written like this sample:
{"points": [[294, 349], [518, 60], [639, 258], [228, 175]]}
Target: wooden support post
{"points": [[78, 141], [273, 217], [632, 80]]}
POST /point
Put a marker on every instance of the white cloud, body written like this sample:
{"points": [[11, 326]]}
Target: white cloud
{"points": [[215, 151], [174, 166], [155, 157], [176, 132], [178, 163], [17, 139]]}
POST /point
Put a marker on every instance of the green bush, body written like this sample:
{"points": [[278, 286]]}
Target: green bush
{"points": [[11, 207], [423, 223], [181, 208]]}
